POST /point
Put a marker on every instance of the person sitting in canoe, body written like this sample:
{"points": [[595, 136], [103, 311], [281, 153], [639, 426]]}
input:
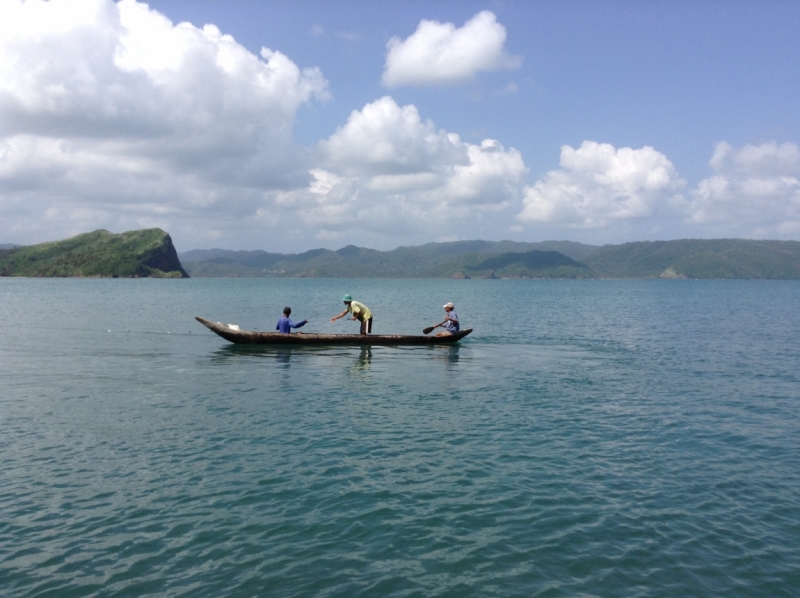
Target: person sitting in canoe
{"points": [[450, 323], [285, 325], [360, 312]]}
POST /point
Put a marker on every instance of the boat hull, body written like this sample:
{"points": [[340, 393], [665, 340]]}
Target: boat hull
{"points": [[245, 337]]}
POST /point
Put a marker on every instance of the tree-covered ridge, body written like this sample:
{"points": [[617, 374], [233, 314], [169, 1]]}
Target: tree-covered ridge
{"points": [[140, 253], [687, 258], [698, 258], [433, 260], [530, 264], [150, 253]]}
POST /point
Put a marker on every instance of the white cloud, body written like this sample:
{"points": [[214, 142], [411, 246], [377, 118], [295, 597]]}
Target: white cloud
{"points": [[386, 171], [384, 138], [754, 192], [441, 54], [111, 115], [598, 185]]}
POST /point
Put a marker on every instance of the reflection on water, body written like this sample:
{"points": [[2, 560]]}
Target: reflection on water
{"points": [[284, 357], [448, 355], [279, 353], [363, 363], [365, 357]]}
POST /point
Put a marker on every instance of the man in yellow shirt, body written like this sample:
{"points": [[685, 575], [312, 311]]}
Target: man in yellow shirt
{"points": [[360, 312]]}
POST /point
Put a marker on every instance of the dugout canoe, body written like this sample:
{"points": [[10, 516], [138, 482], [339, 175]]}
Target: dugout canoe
{"points": [[246, 337]]}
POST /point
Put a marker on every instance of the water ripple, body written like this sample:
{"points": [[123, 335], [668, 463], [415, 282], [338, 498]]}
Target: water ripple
{"points": [[620, 439]]}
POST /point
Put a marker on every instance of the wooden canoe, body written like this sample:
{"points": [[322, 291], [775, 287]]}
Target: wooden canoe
{"points": [[276, 338]]}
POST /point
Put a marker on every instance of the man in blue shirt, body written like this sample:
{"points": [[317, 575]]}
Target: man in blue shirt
{"points": [[285, 325], [450, 323]]}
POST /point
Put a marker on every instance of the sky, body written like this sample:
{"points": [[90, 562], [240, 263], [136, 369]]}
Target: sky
{"points": [[287, 126]]}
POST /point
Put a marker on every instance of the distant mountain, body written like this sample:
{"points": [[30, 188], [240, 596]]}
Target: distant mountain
{"points": [[530, 264], [9, 246], [141, 253], [698, 258], [150, 252], [430, 260], [687, 258]]}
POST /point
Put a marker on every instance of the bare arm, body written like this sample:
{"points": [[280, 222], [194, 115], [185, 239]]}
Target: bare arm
{"points": [[341, 315]]}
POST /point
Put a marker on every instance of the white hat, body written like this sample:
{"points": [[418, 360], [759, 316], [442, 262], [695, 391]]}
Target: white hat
{"points": [[448, 304]]}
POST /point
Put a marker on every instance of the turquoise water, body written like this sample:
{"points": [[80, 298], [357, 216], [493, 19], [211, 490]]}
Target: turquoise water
{"points": [[591, 438]]}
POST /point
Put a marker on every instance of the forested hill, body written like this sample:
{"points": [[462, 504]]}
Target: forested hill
{"points": [[698, 258], [150, 253], [530, 264], [688, 258], [458, 259], [134, 254]]}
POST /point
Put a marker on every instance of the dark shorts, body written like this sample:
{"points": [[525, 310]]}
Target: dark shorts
{"points": [[366, 326]]}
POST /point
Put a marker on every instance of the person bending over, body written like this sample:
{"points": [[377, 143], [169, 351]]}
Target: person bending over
{"points": [[285, 325], [360, 312]]}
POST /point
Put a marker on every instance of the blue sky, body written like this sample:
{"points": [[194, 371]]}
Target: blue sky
{"points": [[589, 121], [680, 76]]}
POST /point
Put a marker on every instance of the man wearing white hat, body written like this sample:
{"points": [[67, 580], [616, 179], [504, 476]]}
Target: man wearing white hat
{"points": [[450, 322]]}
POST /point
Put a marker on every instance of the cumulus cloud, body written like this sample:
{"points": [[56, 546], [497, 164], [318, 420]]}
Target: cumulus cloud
{"points": [[755, 191], [111, 115], [388, 171], [388, 139], [441, 54], [598, 185]]}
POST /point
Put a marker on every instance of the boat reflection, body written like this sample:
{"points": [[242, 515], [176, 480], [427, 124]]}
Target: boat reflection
{"points": [[449, 354], [280, 354], [283, 355]]}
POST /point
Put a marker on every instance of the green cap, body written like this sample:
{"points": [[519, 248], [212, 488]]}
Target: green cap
{"points": [[347, 297]]}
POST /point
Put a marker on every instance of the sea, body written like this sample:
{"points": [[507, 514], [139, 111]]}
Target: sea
{"points": [[589, 438]]}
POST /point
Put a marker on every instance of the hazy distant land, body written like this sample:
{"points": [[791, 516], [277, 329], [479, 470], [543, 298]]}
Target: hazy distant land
{"points": [[460, 259], [688, 258], [150, 253], [698, 258]]}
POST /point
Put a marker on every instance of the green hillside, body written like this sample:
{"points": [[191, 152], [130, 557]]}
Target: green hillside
{"points": [[430, 260], [688, 258], [531, 264], [698, 258], [141, 253]]}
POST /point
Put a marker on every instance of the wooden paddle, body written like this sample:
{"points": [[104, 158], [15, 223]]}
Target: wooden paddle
{"points": [[429, 329]]}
